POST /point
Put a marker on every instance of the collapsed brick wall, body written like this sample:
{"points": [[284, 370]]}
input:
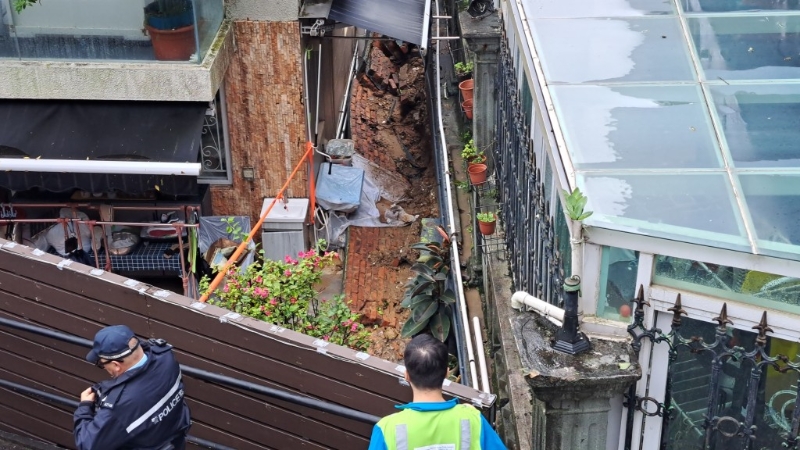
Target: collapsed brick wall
{"points": [[266, 123]]}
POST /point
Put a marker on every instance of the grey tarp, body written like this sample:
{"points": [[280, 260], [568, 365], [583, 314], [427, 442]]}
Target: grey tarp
{"points": [[400, 19]]}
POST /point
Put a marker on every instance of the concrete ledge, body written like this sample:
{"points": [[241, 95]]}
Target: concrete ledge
{"points": [[120, 81]]}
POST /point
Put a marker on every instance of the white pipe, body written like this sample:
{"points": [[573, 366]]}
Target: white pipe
{"points": [[456, 263], [521, 299], [319, 88], [476, 323], [96, 166], [350, 77], [305, 94]]}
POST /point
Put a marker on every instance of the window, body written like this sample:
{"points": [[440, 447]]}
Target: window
{"points": [[215, 153], [618, 271]]}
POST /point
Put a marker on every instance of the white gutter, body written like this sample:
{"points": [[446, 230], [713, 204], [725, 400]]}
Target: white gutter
{"points": [[97, 166], [521, 299], [476, 324], [456, 260], [350, 77]]}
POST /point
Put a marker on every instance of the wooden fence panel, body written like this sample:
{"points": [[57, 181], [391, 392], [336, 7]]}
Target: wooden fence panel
{"points": [[41, 290]]}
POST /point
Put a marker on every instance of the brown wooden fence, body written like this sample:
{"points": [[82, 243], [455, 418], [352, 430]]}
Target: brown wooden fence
{"points": [[42, 290]]}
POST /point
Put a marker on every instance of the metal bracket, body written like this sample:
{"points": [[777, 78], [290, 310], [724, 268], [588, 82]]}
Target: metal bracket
{"points": [[317, 29]]}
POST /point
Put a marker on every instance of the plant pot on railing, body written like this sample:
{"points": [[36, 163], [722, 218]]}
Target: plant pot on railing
{"points": [[466, 89], [487, 222], [170, 24], [477, 173], [466, 105]]}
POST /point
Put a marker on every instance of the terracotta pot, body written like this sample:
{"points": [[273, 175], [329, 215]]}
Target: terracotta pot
{"points": [[173, 45], [466, 105], [477, 173], [487, 228], [466, 89]]}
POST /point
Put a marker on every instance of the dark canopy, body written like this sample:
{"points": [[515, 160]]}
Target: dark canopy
{"points": [[100, 130]]}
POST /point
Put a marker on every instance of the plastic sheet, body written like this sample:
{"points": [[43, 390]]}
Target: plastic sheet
{"points": [[339, 188], [213, 228]]}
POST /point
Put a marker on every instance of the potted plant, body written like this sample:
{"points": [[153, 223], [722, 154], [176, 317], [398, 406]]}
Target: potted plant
{"points": [[170, 24], [427, 294], [487, 222], [472, 155], [463, 70]]}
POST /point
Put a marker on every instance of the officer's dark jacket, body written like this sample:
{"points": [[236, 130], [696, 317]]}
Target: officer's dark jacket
{"points": [[141, 409]]}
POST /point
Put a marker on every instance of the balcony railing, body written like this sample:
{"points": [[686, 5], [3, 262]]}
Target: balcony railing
{"points": [[110, 30]]}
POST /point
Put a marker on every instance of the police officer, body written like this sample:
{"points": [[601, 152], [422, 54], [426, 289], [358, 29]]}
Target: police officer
{"points": [[430, 422], [142, 406]]}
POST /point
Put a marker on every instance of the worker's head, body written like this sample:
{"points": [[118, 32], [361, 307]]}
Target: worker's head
{"points": [[115, 349], [425, 359]]}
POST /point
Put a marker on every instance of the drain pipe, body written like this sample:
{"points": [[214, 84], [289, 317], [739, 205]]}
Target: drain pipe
{"points": [[451, 219], [476, 324], [346, 98], [521, 301]]}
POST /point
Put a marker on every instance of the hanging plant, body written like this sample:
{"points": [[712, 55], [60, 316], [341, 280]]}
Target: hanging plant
{"points": [[427, 294]]}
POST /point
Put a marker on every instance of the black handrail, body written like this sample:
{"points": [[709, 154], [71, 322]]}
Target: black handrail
{"points": [[31, 392], [319, 405]]}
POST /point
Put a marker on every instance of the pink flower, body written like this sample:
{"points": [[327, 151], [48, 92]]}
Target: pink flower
{"points": [[326, 337], [301, 254], [287, 273], [293, 300], [288, 259], [259, 279], [267, 313], [226, 288], [354, 327], [273, 302]]}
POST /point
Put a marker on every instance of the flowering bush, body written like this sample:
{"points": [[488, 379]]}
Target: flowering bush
{"points": [[282, 293]]}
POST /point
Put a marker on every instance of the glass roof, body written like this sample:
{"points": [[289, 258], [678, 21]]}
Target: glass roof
{"points": [[681, 117]]}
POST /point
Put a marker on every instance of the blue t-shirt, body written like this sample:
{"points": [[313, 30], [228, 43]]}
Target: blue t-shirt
{"points": [[489, 438]]}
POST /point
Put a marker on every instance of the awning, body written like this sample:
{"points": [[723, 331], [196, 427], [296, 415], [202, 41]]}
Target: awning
{"points": [[406, 20], [167, 132]]}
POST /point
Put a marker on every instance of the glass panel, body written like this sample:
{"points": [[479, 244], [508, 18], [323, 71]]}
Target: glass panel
{"points": [[209, 19], [747, 286], [594, 50], [737, 5], [696, 208], [747, 47], [636, 127], [546, 9], [691, 378], [774, 205], [617, 283], [112, 30], [761, 123], [526, 99]]}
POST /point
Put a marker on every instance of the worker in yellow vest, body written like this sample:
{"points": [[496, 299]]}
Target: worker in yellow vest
{"points": [[430, 422]]}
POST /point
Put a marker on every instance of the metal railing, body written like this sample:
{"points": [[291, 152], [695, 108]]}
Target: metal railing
{"points": [[204, 375]]}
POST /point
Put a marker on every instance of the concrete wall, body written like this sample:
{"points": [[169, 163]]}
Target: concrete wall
{"points": [[266, 123]]}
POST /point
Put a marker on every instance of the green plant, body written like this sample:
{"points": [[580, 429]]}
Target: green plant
{"points": [[466, 136], [490, 194], [234, 229], [321, 245], [461, 184], [427, 294], [470, 152], [463, 68], [574, 203], [487, 217], [282, 293], [19, 5]]}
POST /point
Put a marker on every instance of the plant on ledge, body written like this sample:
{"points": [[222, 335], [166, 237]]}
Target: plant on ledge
{"points": [[471, 154], [19, 5], [487, 221], [427, 294], [463, 69], [282, 293]]}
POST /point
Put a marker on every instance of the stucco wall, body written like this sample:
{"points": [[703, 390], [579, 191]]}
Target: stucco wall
{"points": [[266, 123], [270, 10]]}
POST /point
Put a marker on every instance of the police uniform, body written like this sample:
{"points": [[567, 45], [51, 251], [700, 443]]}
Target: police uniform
{"points": [[142, 409]]}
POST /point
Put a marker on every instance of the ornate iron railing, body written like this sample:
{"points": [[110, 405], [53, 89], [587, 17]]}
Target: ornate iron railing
{"points": [[214, 152], [720, 428], [530, 234]]}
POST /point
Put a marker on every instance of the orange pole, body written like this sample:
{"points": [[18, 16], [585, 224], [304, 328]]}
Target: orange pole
{"points": [[221, 274]]}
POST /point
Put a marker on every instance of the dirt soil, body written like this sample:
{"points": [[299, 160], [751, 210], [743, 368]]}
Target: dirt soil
{"points": [[390, 126]]}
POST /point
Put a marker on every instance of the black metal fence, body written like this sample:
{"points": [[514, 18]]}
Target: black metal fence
{"points": [[530, 232], [726, 389]]}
